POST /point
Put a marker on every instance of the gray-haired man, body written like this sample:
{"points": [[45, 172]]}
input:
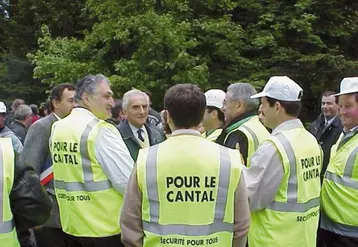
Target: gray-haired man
{"points": [[22, 122], [243, 128], [91, 166]]}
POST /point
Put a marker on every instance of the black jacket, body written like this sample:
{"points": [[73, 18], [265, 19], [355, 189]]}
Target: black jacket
{"points": [[326, 136], [155, 136], [19, 129], [236, 137], [30, 204]]}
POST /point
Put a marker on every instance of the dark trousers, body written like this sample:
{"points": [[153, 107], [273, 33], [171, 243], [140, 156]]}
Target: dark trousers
{"points": [[51, 237], [330, 239], [112, 241]]}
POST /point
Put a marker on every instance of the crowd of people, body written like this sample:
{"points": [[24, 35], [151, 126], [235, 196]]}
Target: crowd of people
{"points": [[234, 168]]}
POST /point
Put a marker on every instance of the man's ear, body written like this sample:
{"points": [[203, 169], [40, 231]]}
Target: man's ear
{"points": [[85, 98]]}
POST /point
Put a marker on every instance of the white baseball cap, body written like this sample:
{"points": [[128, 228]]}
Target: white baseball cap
{"points": [[2, 107], [348, 85], [215, 97], [281, 88]]}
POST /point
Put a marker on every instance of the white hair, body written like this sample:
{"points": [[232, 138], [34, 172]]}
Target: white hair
{"points": [[129, 94]]}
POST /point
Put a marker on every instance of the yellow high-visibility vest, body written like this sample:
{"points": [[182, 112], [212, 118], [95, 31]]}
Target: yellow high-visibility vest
{"points": [[213, 134], [292, 218], [8, 236], [340, 185], [254, 131], [188, 186], [89, 206]]}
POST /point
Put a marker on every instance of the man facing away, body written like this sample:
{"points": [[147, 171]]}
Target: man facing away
{"points": [[91, 166], [186, 190], [22, 122]]}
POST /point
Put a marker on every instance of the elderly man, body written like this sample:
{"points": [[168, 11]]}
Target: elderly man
{"points": [[22, 122], [91, 166], [36, 153], [243, 128], [327, 127], [135, 130], [339, 221]]}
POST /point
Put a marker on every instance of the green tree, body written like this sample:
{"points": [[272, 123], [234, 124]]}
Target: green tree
{"points": [[152, 45]]}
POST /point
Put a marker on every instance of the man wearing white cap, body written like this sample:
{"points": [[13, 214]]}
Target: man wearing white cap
{"points": [[243, 129], [6, 132], [284, 177], [214, 119], [339, 220]]}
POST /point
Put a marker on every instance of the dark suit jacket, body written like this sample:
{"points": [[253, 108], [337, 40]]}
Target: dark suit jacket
{"points": [[155, 136], [326, 136], [36, 152]]}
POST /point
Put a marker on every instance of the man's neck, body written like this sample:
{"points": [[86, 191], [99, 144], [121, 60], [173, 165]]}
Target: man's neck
{"points": [[57, 114], [24, 124], [135, 125], [284, 119], [328, 118], [214, 125]]}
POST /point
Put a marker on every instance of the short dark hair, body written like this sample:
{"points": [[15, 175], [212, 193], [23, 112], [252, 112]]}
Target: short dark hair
{"points": [[117, 108], [292, 108], [57, 92], [221, 115], [330, 93], [35, 109], [186, 105]]}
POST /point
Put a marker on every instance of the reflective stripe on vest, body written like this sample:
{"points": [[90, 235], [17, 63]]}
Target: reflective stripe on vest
{"points": [[292, 204], [5, 226], [89, 184], [253, 135], [182, 229], [346, 180]]}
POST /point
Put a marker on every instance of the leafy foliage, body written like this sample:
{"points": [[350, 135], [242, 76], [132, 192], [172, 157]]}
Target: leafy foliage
{"points": [[152, 45]]}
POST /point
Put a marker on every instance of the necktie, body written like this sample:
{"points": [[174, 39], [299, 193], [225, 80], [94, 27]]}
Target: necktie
{"points": [[140, 136]]}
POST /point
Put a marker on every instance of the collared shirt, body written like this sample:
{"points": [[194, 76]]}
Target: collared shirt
{"points": [[112, 154], [57, 116], [328, 122], [264, 176], [144, 134]]}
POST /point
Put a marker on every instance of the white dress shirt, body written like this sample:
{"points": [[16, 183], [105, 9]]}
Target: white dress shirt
{"points": [[265, 174], [134, 129], [112, 154]]}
